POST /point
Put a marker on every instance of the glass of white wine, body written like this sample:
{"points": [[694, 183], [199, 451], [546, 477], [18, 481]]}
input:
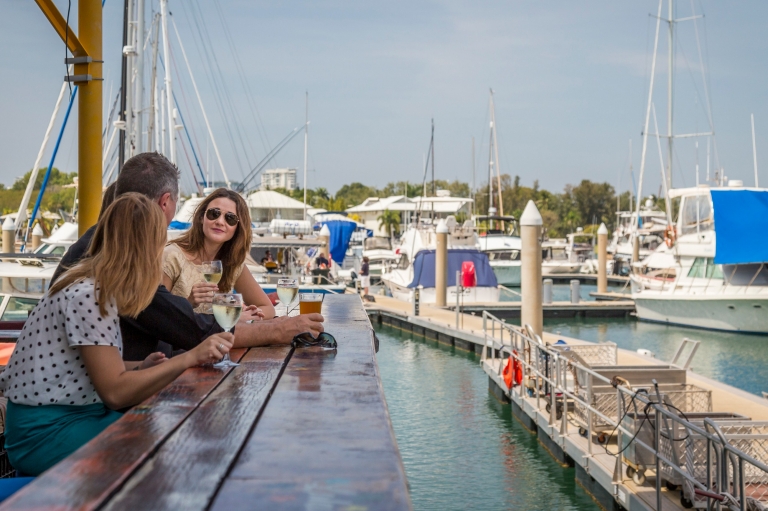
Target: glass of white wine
{"points": [[227, 308], [212, 271], [287, 289]]}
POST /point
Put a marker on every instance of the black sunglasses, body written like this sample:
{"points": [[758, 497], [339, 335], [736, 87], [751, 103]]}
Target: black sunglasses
{"points": [[306, 339], [214, 213]]}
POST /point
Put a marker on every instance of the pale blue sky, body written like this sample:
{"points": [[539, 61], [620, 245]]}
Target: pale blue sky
{"points": [[571, 80]]}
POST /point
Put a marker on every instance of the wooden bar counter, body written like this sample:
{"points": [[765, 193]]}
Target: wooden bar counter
{"points": [[287, 429]]}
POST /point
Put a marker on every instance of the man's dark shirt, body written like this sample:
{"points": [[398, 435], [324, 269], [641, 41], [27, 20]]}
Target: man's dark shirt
{"points": [[320, 260], [364, 270], [169, 318]]}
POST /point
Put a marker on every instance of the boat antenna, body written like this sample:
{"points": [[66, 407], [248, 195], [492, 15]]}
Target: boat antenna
{"points": [[306, 136]]}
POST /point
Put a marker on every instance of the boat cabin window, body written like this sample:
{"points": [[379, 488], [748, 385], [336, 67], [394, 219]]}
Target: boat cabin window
{"points": [[696, 215], [403, 263], [505, 255], [746, 274], [377, 243], [705, 268], [18, 308]]}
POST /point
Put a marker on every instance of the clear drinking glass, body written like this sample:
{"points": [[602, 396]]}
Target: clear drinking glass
{"points": [[227, 308], [287, 289], [212, 271]]}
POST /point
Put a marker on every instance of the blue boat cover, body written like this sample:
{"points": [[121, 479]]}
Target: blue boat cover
{"points": [[424, 268], [341, 233], [179, 226], [741, 221]]}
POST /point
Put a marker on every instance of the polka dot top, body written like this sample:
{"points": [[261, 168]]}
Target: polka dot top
{"points": [[46, 367]]}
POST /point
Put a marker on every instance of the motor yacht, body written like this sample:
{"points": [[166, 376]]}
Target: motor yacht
{"points": [[416, 265], [720, 279], [497, 239]]}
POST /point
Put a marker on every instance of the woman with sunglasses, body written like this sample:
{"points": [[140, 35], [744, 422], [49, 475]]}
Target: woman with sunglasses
{"points": [[220, 231]]}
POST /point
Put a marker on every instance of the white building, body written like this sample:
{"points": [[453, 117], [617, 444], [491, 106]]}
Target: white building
{"points": [[426, 208], [266, 206], [278, 178]]}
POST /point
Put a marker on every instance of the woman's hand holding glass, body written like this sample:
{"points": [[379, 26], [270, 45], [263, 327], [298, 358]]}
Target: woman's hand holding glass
{"points": [[211, 350], [202, 292]]}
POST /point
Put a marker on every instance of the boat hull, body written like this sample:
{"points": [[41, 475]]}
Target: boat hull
{"points": [[732, 314], [560, 268], [428, 294]]}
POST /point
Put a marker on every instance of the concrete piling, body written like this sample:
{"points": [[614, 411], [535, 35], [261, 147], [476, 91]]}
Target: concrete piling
{"points": [[635, 248], [441, 264], [548, 283], [602, 259], [9, 234], [37, 236], [531, 311]]}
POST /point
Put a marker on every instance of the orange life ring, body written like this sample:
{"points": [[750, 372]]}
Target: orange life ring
{"points": [[513, 371], [670, 235]]}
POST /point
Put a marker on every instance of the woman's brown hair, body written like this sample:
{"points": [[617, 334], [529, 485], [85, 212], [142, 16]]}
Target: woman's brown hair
{"points": [[232, 253], [125, 255]]}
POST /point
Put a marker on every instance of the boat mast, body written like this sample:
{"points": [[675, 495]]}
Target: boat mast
{"points": [[472, 191], [199, 100], [496, 151], [644, 152], [123, 87], [139, 91], [168, 91], [153, 127], [670, 75], [306, 137], [754, 149]]}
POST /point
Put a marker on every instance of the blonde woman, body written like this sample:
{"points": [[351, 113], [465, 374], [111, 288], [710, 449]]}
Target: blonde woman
{"points": [[221, 230], [67, 378]]}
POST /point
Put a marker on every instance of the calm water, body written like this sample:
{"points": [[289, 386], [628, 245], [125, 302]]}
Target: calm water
{"points": [[461, 448], [736, 359]]}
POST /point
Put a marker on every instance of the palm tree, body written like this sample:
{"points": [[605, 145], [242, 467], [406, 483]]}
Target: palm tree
{"points": [[389, 221]]}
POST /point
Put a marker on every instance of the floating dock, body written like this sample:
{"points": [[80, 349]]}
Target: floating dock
{"points": [[604, 476], [596, 309]]}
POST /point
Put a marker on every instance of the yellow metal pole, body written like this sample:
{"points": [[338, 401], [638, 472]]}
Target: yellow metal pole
{"points": [[89, 115]]}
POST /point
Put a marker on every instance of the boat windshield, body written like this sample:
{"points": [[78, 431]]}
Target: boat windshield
{"points": [[504, 255], [377, 243], [696, 215], [705, 268], [18, 308]]}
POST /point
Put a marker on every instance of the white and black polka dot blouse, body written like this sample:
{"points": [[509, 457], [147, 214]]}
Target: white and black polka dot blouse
{"points": [[46, 367]]}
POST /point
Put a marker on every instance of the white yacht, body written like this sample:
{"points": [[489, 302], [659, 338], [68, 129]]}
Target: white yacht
{"points": [[651, 224], [566, 255], [497, 239], [379, 252], [720, 277], [416, 266]]}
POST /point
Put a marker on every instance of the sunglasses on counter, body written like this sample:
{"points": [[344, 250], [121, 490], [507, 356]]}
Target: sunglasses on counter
{"points": [[305, 340], [214, 213]]}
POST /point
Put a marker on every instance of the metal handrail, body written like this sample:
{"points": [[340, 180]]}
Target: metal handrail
{"points": [[530, 351]]}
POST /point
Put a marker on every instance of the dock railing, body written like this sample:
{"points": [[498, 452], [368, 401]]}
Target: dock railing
{"points": [[716, 464]]}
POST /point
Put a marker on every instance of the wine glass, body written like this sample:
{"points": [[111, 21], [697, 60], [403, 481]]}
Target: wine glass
{"points": [[227, 308], [212, 271], [287, 289]]}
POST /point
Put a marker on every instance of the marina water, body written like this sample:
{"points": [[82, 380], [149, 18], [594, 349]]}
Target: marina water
{"points": [[461, 448]]}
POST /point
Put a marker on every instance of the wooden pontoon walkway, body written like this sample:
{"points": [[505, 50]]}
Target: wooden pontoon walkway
{"points": [[285, 430]]}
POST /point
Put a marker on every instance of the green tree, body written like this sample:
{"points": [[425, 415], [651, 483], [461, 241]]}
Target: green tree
{"points": [[355, 193], [389, 221], [595, 202], [57, 178]]}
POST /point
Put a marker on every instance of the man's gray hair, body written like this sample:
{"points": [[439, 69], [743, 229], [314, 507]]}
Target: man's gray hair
{"points": [[150, 174]]}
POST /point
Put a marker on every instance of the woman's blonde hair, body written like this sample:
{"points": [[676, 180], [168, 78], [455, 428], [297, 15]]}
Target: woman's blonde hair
{"points": [[232, 253], [125, 255]]}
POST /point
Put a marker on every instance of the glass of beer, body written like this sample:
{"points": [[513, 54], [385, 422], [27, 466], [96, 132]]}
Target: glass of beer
{"points": [[227, 308], [212, 271], [310, 303]]}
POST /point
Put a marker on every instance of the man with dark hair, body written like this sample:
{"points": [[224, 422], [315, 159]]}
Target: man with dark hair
{"points": [[170, 319]]}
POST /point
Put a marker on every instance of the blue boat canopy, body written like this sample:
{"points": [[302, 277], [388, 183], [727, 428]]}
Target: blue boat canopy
{"points": [[341, 233], [741, 221], [424, 268]]}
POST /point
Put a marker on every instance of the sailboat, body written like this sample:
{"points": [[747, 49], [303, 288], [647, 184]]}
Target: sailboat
{"points": [[498, 238]]}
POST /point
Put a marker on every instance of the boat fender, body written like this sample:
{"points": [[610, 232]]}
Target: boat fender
{"points": [[670, 235]]}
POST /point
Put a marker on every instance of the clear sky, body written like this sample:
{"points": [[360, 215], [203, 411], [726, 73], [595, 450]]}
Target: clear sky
{"points": [[570, 81]]}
